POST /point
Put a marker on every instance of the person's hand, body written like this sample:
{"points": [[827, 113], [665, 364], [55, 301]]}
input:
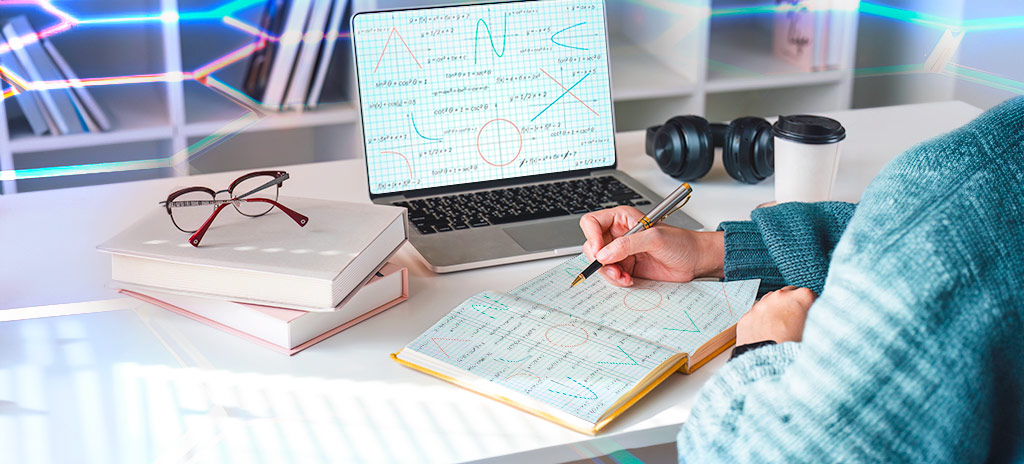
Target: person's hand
{"points": [[660, 253], [779, 316]]}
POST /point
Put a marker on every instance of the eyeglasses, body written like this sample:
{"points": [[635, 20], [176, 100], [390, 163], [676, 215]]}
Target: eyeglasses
{"points": [[193, 209]]}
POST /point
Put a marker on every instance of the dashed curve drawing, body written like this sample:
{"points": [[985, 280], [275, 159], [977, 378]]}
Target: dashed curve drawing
{"points": [[492, 304], [394, 32], [519, 374], [642, 299], [479, 145], [516, 361], [487, 28], [564, 45], [632, 363], [572, 395], [407, 163], [560, 97], [413, 118], [447, 339], [563, 335]]}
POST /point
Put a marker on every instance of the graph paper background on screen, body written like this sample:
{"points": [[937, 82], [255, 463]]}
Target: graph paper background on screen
{"points": [[482, 92]]}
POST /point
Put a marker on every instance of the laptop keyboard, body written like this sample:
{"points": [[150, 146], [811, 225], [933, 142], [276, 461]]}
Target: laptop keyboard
{"points": [[517, 204]]}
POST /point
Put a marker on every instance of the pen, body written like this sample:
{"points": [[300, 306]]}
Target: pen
{"points": [[669, 205]]}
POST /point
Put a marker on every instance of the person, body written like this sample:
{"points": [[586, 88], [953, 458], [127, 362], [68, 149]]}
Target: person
{"points": [[889, 331]]}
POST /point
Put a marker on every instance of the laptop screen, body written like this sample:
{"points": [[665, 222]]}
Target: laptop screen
{"points": [[474, 93]]}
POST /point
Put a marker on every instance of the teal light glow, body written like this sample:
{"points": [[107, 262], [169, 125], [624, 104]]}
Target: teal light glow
{"points": [[982, 24]]}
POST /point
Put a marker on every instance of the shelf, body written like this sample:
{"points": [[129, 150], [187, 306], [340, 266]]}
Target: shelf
{"points": [[138, 112], [740, 58], [636, 75]]}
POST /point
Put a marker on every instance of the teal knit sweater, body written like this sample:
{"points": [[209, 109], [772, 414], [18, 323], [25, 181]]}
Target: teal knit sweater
{"points": [[914, 352]]}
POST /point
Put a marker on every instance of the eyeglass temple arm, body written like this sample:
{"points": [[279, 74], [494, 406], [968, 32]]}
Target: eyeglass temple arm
{"points": [[197, 237], [277, 180]]}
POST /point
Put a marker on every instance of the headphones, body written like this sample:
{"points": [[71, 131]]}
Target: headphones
{"points": [[684, 147]]}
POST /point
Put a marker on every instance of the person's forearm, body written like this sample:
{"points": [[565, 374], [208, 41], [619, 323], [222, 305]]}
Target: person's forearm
{"points": [[712, 246]]}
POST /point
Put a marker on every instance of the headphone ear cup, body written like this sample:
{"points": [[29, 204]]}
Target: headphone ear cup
{"points": [[683, 147], [747, 150]]}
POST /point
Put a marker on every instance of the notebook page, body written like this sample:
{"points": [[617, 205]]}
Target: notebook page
{"points": [[682, 316], [566, 362]]}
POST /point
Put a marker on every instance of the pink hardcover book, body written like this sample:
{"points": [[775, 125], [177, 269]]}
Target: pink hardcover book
{"points": [[283, 330]]}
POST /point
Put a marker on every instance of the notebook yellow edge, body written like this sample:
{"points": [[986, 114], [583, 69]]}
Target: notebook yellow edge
{"points": [[542, 414]]}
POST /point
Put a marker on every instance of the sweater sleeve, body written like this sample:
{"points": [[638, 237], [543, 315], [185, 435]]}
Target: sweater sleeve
{"points": [[787, 244]]}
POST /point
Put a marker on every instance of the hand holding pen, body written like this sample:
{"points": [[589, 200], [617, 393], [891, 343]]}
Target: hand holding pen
{"points": [[659, 253]]}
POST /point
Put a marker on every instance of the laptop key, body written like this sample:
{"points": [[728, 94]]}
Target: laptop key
{"points": [[426, 230]]}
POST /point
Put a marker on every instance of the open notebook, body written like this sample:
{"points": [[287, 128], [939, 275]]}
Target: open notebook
{"points": [[579, 356]]}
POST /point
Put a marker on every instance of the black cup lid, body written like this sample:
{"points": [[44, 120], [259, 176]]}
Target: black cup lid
{"points": [[807, 128]]}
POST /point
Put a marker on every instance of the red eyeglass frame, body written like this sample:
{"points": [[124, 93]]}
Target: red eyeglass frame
{"points": [[197, 236]]}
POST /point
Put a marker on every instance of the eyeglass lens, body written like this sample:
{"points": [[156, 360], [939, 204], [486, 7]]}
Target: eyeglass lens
{"points": [[189, 218], [255, 208]]}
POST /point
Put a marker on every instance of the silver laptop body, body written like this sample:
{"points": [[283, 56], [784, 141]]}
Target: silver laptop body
{"points": [[459, 103]]}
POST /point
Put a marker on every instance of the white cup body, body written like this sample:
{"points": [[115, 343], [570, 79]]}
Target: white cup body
{"points": [[804, 172]]}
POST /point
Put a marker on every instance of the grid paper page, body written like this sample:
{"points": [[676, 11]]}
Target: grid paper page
{"points": [[571, 349], [476, 93], [680, 316]]}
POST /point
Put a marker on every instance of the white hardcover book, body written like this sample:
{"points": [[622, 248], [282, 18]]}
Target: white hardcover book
{"points": [[286, 330], [267, 260], [327, 52], [30, 103], [89, 107], [298, 88], [283, 61], [40, 68]]}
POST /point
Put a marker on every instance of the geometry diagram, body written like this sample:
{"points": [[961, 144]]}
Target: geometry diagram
{"points": [[447, 340], [569, 90], [567, 335], [695, 329], [499, 142], [388, 42], [562, 44], [476, 36], [642, 299], [631, 363], [570, 93]]}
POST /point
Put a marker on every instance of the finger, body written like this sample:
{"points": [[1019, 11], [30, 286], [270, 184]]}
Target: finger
{"points": [[614, 222], [616, 276], [626, 246], [788, 288]]}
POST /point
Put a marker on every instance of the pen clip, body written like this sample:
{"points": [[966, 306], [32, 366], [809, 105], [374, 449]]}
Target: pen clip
{"points": [[677, 208]]}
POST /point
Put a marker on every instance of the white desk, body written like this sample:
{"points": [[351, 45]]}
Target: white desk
{"points": [[142, 384]]}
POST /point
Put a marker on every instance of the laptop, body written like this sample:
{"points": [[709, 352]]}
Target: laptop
{"points": [[493, 124]]}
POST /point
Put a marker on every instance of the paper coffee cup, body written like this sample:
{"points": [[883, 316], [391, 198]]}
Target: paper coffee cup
{"points": [[806, 157]]}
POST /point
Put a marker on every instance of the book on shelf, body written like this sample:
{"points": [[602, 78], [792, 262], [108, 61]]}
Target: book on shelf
{"points": [[282, 63], [265, 260], [88, 107], [295, 70], [29, 102], [579, 356], [283, 330], [40, 68], [327, 58], [298, 85]]}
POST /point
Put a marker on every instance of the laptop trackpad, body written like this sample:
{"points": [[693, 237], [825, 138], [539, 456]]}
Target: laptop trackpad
{"points": [[548, 235]]}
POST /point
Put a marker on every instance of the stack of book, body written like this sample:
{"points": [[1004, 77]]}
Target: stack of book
{"points": [[264, 279], [809, 33], [298, 65], [64, 105]]}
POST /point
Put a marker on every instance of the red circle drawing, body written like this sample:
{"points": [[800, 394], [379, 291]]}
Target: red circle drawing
{"points": [[481, 152], [586, 335], [638, 308]]}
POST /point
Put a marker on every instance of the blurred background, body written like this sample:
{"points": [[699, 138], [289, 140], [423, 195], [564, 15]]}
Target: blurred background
{"points": [[155, 88]]}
